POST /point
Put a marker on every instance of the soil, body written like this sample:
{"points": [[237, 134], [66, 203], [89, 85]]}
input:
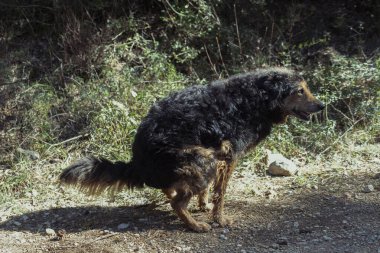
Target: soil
{"points": [[332, 206]]}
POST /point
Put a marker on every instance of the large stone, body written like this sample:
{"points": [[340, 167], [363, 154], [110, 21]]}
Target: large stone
{"points": [[278, 165]]}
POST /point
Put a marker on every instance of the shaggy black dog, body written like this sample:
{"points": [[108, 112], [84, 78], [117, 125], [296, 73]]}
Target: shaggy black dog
{"points": [[195, 136]]}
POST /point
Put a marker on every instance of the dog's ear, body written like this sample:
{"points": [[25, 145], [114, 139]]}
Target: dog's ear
{"points": [[272, 85]]}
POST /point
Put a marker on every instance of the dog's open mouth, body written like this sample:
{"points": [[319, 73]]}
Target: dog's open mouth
{"points": [[301, 115]]}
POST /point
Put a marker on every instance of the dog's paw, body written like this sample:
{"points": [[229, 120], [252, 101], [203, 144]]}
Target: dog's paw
{"points": [[200, 227], [223, 221]]}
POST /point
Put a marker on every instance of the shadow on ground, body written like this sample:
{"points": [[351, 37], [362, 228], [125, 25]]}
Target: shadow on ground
{"points": [[77, 219], [311, 211], [305, 222]]}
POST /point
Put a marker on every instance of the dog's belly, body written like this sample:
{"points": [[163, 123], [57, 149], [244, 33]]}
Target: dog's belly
{"points": [[194, 166]]}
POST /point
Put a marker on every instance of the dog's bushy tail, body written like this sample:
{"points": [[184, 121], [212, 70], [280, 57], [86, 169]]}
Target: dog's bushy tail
{"points": [[94, 176]]}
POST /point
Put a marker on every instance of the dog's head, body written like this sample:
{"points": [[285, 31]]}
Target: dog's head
{"points": [[288, 94], [300, 102]]}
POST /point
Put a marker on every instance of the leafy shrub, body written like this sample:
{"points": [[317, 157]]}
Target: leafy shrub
{"points": [[350, 89]]}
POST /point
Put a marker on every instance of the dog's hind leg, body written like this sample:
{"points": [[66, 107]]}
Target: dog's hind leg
{"points": [[203, 204], [179, 203], [223, 175], [169, 192]]}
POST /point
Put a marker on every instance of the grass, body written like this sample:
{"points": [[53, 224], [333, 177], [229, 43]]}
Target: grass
{"points": [[107, 117]]}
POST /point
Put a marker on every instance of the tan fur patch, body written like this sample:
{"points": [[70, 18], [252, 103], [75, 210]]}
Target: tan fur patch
{"points": [[309, 96]]}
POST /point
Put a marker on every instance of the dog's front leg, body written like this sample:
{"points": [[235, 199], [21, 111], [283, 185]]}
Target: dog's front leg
{"points": [[223, 175]]}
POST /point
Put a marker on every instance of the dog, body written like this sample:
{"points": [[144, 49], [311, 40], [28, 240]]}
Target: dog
{"points": [[194, 137]]}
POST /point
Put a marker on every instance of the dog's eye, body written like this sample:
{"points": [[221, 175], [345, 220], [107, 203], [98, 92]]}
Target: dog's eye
{"points": [[300, 92]]}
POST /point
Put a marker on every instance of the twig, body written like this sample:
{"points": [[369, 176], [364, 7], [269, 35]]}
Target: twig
{"points": [[209, 59], [68, 140], [340, 137], [171, 7], [26, 6], [336, 109], [349, 108], [87, 243], [221, 57], [101, 238], [237, 29], [271, 32], [15, 82], [117, 36]]}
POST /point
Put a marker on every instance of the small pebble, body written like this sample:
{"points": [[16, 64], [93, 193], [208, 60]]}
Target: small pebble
{"points": [[305, 231], [17, 223], [106, 231], [123, 226], [368, 188], [282, 241], [22, 240], [214, 225], [327, 238], [223, 237], [275, 246]]}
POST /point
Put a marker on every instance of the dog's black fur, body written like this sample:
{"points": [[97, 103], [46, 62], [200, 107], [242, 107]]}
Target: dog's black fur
{"points": [[182, 138]]}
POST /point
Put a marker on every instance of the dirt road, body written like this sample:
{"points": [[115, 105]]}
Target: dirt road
{"points": [[330, 207]]}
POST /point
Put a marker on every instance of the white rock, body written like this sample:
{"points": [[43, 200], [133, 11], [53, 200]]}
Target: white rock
{"points": [[278, 165], [368, 188], [49, 231]]}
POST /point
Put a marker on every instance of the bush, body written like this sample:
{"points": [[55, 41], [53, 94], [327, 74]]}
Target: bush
{"points": [[350, 89]]}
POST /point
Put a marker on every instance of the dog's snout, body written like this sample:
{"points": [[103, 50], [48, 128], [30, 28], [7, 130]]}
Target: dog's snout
{"points": [[321, 106], [315, 106]]}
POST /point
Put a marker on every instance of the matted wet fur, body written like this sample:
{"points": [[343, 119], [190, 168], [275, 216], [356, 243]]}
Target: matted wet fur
{"points": [[195, 136]]}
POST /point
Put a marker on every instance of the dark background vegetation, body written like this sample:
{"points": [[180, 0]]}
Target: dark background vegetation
{"points": [[77, 76]]}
